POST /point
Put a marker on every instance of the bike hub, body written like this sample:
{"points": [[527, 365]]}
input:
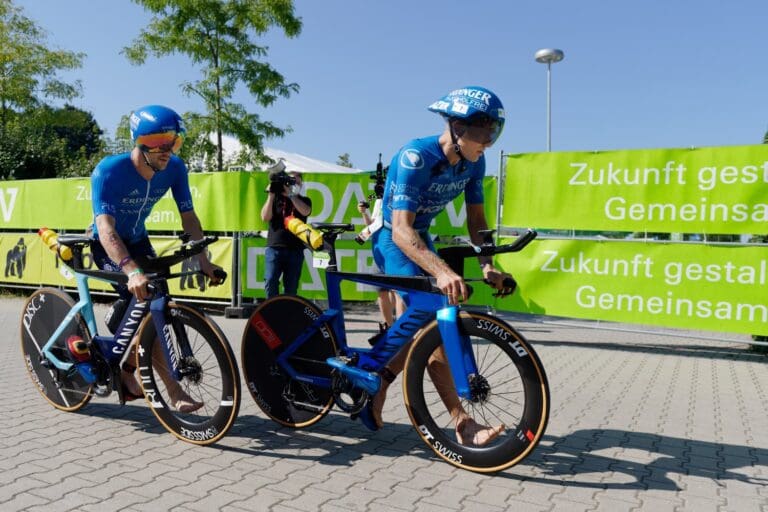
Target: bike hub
{"points": [[479, 389]]}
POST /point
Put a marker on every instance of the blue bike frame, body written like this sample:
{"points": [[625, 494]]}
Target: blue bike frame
{"points": [[113, 347], [423, 306]]}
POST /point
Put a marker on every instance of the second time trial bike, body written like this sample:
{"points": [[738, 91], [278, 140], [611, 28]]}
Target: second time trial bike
{"points": [[297, 363]]}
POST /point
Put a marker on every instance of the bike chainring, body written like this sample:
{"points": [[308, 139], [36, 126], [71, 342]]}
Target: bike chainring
{"points": [[347, 397]]}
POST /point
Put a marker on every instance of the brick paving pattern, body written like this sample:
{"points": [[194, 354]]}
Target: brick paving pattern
{"points": [[639, 422]]}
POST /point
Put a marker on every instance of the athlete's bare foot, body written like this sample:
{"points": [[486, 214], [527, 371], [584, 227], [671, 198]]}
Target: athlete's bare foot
{"points": [[377, 404], [471, 433], [184, 403], [131, 388]]}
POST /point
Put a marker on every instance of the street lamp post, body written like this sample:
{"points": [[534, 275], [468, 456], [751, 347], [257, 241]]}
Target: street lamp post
{"points": [[549, 56]]}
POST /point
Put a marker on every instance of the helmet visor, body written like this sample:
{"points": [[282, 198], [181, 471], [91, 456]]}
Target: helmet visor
{"points": [[160, 142], [485, 131]]}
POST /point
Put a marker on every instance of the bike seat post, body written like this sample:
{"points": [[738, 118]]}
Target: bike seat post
{"points": [[329, 245]]}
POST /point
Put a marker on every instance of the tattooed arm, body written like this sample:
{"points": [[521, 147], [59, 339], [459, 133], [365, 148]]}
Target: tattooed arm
{"points": [[117, 252]]}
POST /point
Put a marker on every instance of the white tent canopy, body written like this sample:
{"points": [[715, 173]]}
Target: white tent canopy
{"points": [[292, 161]]}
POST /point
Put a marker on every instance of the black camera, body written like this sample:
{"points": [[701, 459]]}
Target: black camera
{"points": [[278, 181], [379, 177]]}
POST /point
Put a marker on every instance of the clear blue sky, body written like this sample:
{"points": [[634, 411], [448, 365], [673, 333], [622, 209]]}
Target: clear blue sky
{"points": [[649, 74]]}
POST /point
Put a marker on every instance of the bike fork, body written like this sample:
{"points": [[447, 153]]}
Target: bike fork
{"points": [[458, 350], [163, 327]]}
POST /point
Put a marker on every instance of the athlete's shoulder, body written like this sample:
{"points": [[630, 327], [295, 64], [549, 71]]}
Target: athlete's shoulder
{"points": [[111, 164], [420, 153]]}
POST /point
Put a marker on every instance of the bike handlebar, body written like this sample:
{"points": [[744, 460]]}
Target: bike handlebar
{"points": [[161, 264], [487, 249]]}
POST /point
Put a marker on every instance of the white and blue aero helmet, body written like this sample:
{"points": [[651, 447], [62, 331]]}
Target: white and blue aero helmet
{"points": [[468, 102], [471, 104]]}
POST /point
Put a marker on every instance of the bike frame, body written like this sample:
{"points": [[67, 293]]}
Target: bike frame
{"points": [[113, 348], [422, 308]]}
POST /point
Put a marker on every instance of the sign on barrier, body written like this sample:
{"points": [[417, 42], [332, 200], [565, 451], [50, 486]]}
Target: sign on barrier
{"points": [[675, 285], [28, 261], [701, 190]]}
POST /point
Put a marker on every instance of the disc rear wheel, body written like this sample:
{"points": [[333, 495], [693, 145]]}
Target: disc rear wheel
{"points": [[271, 329], [42, 314]]}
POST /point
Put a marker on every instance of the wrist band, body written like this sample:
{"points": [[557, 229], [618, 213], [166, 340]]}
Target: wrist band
{"points": [[134, 272], [123, 262]]}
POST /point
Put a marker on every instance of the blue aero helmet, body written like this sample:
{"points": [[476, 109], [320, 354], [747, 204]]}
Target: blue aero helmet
{"points": [[157, 129], [479, 109]]}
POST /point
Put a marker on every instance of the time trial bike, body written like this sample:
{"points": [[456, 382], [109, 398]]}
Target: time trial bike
{"points": [[297, 363], [179, 348]]}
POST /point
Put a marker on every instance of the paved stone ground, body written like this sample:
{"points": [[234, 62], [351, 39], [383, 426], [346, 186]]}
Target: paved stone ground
{"points": [[639, 422]]}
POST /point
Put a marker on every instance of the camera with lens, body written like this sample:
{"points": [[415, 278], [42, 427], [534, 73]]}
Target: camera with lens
{"points": [[278, 178]]}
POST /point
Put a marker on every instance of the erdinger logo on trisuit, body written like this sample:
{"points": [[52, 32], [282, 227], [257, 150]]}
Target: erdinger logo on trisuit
{"points": [[411, 159]]}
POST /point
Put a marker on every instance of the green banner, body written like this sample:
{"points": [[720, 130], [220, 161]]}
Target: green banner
{"points": [[29, 261], [702, 190], [722, 289], [225, 202]]}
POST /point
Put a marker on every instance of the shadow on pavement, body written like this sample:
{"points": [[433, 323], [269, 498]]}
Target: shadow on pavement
{"points": [[702, 351], [628, 460], [647, 461]]}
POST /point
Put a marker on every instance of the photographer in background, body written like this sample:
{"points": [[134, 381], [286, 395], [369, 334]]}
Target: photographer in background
{"points": [[285, 252]]}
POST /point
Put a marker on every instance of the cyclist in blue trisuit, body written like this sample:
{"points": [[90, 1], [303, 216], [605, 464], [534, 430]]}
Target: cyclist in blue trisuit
{"points": [[423, 177], [124, 189]]}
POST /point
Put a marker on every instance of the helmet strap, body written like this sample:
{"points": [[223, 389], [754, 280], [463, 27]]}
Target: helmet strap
{"points": [[146, 159], [457, 148]]}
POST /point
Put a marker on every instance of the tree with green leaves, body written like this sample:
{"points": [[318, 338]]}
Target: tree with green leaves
{"points": [[47, 142], [218, 35], [28, 68], [344, 161]]}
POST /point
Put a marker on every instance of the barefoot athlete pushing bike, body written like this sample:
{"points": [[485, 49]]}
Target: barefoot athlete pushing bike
{"points": [[191, 378], [125, 188], [475, 390], [424, 176]]}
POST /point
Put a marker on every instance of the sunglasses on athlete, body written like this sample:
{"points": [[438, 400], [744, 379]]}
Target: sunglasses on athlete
{"points": [[160, 142], [482, 133]]}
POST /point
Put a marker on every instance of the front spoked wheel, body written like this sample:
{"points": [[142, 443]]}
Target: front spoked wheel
{"points": [[510, 389], [42, 314], [210, 376]]}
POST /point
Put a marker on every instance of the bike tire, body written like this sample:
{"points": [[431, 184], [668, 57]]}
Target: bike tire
{"points": [[42, 314], [518, 395], [270, 329], [216, 381]]}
